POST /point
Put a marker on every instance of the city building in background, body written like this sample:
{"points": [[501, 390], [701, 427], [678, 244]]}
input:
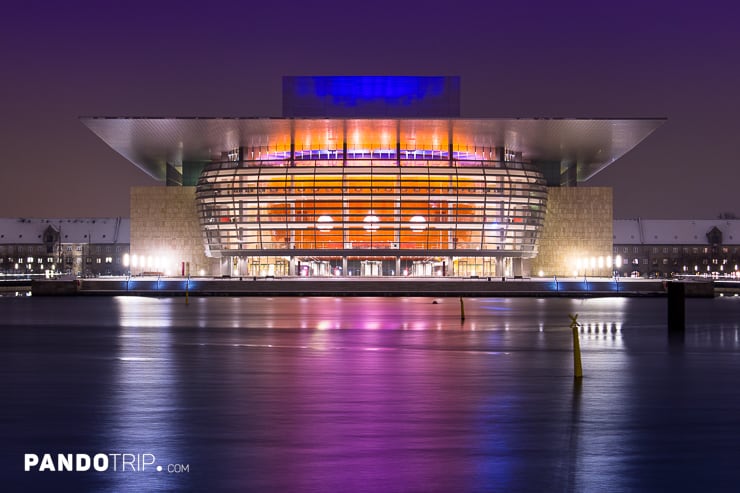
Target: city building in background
{"points": [[53, 247], [371, 176], [669, 248]]}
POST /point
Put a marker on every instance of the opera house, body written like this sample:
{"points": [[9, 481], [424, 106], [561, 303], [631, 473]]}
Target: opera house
{"points": [[371, 176]]}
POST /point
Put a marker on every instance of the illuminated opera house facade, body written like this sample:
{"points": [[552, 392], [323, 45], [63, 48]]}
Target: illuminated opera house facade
{"points": [[371, 176]]}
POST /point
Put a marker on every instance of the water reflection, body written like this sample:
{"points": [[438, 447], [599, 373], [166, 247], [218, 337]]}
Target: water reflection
{"points": [[376, 394], [143, 396]]}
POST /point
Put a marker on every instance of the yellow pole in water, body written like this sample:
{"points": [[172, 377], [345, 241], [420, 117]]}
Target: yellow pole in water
{"points": [[577, 368], [462, 310]]}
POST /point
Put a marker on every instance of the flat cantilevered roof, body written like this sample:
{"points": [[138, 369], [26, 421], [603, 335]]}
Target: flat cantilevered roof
{"points": [[591, 144]]}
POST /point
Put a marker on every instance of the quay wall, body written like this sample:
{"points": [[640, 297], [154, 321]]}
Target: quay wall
{"points": [[137, 286]]}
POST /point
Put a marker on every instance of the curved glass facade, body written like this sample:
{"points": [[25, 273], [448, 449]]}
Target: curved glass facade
{"points": [[410, 204]]}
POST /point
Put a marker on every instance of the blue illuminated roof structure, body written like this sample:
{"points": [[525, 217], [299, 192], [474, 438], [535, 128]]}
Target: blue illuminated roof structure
{"points": [[371, 96]]}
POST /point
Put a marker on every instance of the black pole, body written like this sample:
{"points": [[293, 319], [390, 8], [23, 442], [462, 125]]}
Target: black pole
{"points": [[676, 306]]}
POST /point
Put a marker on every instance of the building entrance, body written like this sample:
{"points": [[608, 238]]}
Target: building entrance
{"points": [[424, 268], [370, 268], [261, 266], [471, 267]]}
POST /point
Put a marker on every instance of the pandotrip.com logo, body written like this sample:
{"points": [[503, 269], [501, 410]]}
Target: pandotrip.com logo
{"points": [[99, 462]]}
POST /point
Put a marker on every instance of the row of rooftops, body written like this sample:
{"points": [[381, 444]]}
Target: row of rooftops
{"points": [[98, 230], [674, 231], [114, 230]]}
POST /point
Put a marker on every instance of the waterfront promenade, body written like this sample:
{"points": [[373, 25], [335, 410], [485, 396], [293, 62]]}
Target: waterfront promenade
{"points": [[379, 286]]}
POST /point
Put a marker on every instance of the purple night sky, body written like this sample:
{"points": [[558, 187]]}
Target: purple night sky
{"points": [[62, 60]]}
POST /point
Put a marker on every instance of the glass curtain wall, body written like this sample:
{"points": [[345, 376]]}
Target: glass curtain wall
{"points": [[483, 206]]}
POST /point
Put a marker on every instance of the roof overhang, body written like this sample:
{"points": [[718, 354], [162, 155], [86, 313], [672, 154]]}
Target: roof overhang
{"points": [[591, 144]]}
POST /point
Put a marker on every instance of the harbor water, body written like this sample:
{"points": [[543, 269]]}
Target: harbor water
{"points": [[375, 394]]}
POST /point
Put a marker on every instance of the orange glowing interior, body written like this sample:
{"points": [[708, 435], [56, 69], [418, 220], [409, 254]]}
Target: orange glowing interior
{"points": [[391, 206]]}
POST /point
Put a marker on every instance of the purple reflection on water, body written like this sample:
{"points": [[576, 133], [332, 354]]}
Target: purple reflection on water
{"points": [[373, 394]]}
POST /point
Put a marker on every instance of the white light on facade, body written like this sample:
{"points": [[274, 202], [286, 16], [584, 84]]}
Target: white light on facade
{"points": [[324, 223], [618, 261], [371, 222], [541, 273], [601, 262], [418, 223], [126, 260]]}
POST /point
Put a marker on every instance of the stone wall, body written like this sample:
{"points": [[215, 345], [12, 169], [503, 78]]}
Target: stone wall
{"points": [[164, 223], [578, 226]]}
